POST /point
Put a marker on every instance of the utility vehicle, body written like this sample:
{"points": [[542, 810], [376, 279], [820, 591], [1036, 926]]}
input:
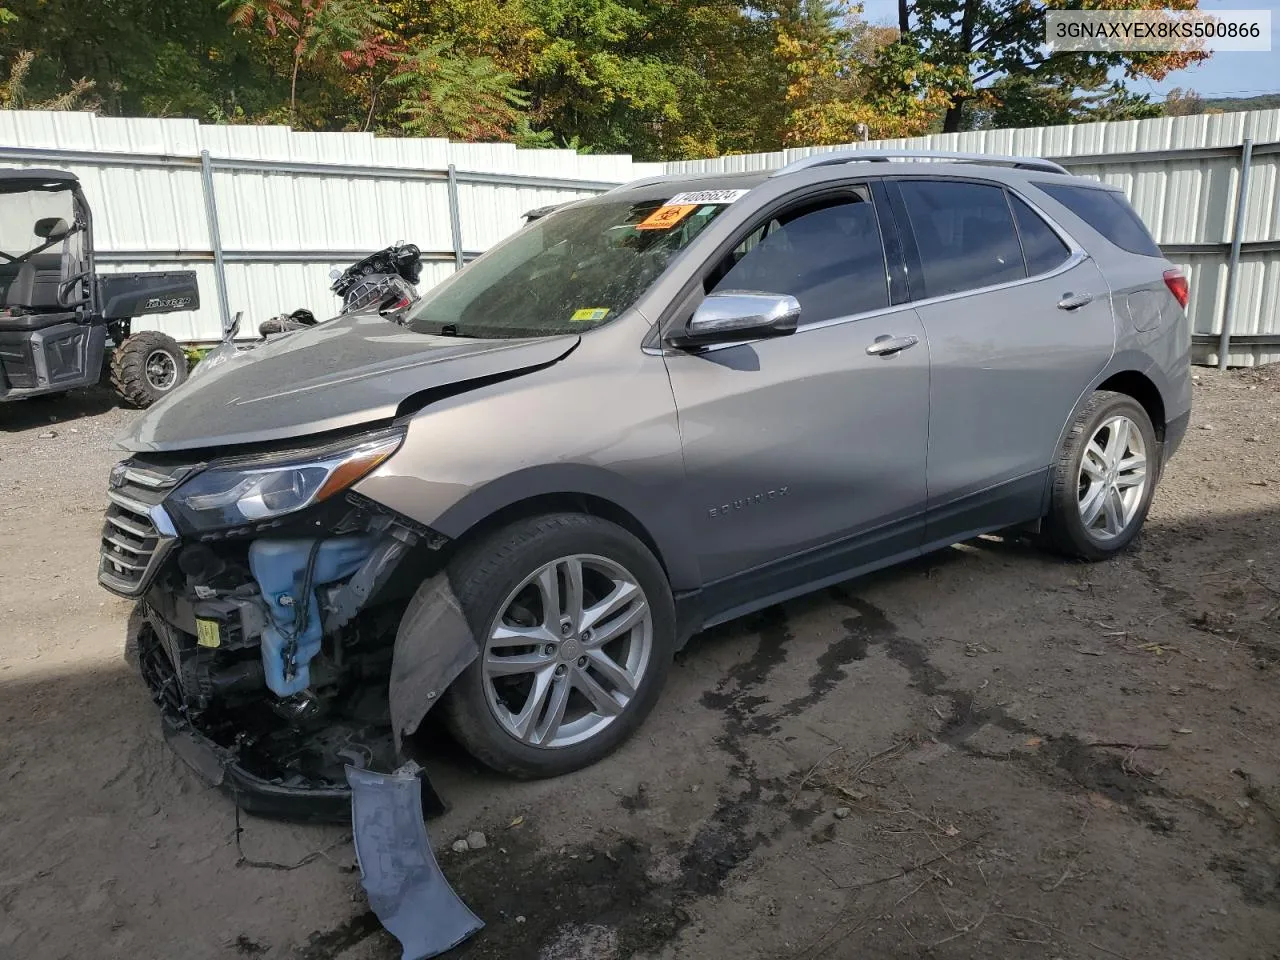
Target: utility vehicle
{"points": [[57, 314]]}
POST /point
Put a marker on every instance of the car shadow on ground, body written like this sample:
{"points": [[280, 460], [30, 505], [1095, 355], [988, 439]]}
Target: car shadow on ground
{"points": [[52, 409]]}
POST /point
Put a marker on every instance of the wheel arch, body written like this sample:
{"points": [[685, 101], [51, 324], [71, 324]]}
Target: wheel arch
{"points": [[572, 488], [1143, 389], [1133, 374]]}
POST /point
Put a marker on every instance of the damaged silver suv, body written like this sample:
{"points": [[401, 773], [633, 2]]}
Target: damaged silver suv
{"points": [[642, 414]]}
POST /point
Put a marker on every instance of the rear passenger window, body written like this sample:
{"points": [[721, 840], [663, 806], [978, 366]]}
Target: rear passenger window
{"points": [[964, 233], [1042, 248], [828, 256], [1108, 212]]}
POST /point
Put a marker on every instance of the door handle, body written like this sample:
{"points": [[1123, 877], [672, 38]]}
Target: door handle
{"points": [[1074, 301], [887, 346]]}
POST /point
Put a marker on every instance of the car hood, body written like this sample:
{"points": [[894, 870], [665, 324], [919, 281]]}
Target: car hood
{"points": [[356, 369]]}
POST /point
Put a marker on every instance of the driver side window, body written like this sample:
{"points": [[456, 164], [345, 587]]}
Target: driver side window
{"points": [[827, 254]]}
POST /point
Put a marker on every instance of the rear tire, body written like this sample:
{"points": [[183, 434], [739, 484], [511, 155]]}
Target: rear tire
{"points": [[147, 367], [1103, 480], [606, 687]]}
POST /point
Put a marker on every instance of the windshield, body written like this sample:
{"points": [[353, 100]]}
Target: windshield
{"points": [[19, 214], [571, 271]]}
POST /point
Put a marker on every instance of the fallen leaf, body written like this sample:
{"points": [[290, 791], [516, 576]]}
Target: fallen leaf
{"points": [[516, 822], [1181, 729]]}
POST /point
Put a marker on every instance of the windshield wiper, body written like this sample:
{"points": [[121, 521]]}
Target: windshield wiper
{"points": [[451, 330]]}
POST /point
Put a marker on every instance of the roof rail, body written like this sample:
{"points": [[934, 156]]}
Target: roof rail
{"points": [[857, 156]]}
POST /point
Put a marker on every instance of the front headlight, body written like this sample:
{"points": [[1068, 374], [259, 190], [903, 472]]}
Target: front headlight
{"points": [[248, 490]]}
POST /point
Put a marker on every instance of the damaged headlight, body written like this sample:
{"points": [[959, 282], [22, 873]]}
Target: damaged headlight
{"points": [[248, 490]]}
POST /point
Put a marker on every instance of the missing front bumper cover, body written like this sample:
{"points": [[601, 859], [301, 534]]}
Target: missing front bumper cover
{"points": [[270, 776]]}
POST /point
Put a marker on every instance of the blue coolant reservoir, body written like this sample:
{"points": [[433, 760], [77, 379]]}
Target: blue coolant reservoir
{"points": [[279, 566]]}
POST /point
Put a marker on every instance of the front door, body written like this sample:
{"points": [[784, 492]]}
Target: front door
{"points": [[805, 454]]}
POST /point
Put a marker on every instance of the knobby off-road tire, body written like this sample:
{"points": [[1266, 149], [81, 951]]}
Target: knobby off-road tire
{"points": [[146, 367], [487, 578], [1110, 451]]}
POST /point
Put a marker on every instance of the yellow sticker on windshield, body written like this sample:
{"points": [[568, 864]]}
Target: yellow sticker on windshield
{"points": [[666, 216], [589, 313]]}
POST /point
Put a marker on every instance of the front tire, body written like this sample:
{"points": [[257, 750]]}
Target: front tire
{"points": [[1104, 479], [146, 367], [576, 628]]}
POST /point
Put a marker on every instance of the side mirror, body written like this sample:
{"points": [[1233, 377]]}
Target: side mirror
{"points": [[732, 315]]}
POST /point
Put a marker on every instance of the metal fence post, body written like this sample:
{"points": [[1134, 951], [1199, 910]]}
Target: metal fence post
{"points": [[215, 239], [1233, 260], [455, 219]]}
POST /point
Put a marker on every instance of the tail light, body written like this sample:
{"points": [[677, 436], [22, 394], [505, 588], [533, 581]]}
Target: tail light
{"points": [[1176, 281]]}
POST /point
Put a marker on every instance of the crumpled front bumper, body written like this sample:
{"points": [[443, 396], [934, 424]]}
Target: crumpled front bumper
{"points": [[253, 794], [220, 767]]}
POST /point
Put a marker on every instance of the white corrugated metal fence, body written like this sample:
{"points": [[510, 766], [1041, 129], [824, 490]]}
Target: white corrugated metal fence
{"points": [[291, 206]]}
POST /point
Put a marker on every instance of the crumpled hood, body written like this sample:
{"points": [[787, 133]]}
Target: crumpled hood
{"points": [[352, 370]]}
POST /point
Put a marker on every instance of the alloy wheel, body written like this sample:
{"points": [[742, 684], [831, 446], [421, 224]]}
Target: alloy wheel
{"points": [[567, 651], [1113, 478]]}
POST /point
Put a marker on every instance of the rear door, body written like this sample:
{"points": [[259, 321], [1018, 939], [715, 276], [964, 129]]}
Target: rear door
{"points": [[1019, 322], [805, 454]]}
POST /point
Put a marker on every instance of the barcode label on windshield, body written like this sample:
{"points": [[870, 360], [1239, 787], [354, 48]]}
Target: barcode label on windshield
{"points": [[706, 196]]}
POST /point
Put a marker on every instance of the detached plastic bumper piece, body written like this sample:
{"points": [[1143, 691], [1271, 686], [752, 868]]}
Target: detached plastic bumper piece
{"points": [[406, 889]]}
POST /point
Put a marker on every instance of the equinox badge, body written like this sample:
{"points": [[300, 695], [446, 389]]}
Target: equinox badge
{"points": [[735, 505]]}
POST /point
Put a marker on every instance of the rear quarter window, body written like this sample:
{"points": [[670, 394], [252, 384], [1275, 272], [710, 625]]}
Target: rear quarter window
{"points": [[1109, 213]]}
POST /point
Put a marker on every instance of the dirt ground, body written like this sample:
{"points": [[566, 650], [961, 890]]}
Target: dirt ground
{"points": [[988, 753]]}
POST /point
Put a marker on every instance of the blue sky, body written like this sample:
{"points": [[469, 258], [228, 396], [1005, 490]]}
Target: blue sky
{"points": [[1224, 74]]}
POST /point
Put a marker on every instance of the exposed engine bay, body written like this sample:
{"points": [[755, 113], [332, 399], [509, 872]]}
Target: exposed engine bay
{"points": [[270, 649]]}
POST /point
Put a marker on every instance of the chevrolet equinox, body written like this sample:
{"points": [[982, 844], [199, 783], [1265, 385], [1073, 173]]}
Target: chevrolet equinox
{"points": [[645, 413]]}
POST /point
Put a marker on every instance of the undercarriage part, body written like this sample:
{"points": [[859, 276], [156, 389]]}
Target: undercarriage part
{"points": [[380, 564], [399, 872], [433, 645], [271, 767]]}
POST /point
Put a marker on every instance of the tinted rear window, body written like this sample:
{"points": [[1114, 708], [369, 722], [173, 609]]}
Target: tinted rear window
{"points": [[1107, 212], [1042, 248], [965, 235]]}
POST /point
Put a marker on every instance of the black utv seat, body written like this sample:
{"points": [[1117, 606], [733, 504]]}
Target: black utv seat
{"points": [[31, 300]]}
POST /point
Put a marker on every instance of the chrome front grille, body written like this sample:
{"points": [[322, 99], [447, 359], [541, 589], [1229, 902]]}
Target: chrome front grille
{"points": [[137, 533]]}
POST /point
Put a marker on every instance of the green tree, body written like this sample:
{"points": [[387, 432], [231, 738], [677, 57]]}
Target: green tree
{"points": [[986, 53], [318, 32], [458, 96], [143, 57]]}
